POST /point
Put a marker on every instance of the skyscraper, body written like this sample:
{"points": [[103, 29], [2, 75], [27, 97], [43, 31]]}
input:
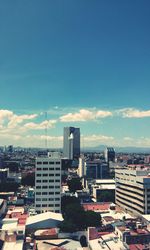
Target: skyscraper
{"points": [[109, 154], [48, 183], [71, 148]]}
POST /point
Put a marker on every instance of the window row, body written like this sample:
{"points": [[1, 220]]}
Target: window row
{"points": [[47, 193], [46, 169], [47, 199], [45, 181], [46, 163], [48, 175], [39, 187], [47, 205]]}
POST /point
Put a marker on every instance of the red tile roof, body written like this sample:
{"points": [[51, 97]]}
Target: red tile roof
{"points": [[96, 206]]}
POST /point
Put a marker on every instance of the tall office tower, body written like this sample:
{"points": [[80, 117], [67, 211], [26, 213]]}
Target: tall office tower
{"points": [[48, 183], [133, 189], [71, 147], [109, 154]]}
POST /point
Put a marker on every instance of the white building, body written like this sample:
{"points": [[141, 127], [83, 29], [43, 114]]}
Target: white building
{"points": [[48, 183], [133, 189]]}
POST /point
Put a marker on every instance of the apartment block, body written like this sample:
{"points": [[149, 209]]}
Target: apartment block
{"points": [[48, 183]]}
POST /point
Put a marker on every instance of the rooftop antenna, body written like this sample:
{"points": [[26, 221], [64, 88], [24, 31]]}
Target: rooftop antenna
{"points": [[46, 129], [82, 144]]}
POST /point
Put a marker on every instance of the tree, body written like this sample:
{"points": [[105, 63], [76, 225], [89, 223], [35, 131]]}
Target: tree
{"points": [[67, 200], [74, 184], [93, 219], [75, 218], [67, 226], [28, 180]]}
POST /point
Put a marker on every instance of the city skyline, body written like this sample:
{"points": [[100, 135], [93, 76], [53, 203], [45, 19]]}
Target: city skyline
{"points": [[98, 127], [84, 63]]}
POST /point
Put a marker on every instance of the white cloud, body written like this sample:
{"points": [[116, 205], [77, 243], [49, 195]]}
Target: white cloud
{"points": [[17, 119], [128, 139], [134, 113], [42, 125], [5, 115], [85, 115], [94, 140]]}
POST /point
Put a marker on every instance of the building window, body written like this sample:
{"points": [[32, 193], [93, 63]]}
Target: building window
{"points": [[51, 180], [45, 163], [45, 180], [51, 162], [39, 162], [57, 180], [51, 174], [44, 205], [44, 193], [57, 174], [38, 175], [38, 181], [51, 205], [57, 162], [45, 168], [45, 174], [38, 205], [44, 187], [51, 168], [57, 168], [38, 187], [57, 199], [44, 199], [57, 205], [51, 199], [38, 193], [39, 168], [38, 199], [51, 186], [51, 192], [57, 192]]}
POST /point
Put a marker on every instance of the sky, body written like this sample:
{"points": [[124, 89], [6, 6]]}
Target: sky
{"points": [[85, 63]]}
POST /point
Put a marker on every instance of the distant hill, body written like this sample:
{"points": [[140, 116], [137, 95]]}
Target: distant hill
{"points": [[133, 149]]}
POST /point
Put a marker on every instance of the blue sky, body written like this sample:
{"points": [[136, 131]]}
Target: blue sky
{"points": [[90, 59]]}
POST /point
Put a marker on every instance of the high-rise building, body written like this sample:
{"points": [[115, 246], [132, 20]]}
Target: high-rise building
{"points": [[133, 189], [71, 147], [48, 183], [109, 154]]}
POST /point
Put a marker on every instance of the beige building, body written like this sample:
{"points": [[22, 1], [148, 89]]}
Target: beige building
{"points": [[133, 189]]}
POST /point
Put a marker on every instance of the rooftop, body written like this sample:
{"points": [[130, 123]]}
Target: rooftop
{"points": [[44, 216], [58, 244], [97, 206]]}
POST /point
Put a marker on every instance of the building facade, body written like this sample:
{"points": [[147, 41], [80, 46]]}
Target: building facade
{"points": [[97, 170], [133, 189], [71, 146], [109, 154], [48, 183]]}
